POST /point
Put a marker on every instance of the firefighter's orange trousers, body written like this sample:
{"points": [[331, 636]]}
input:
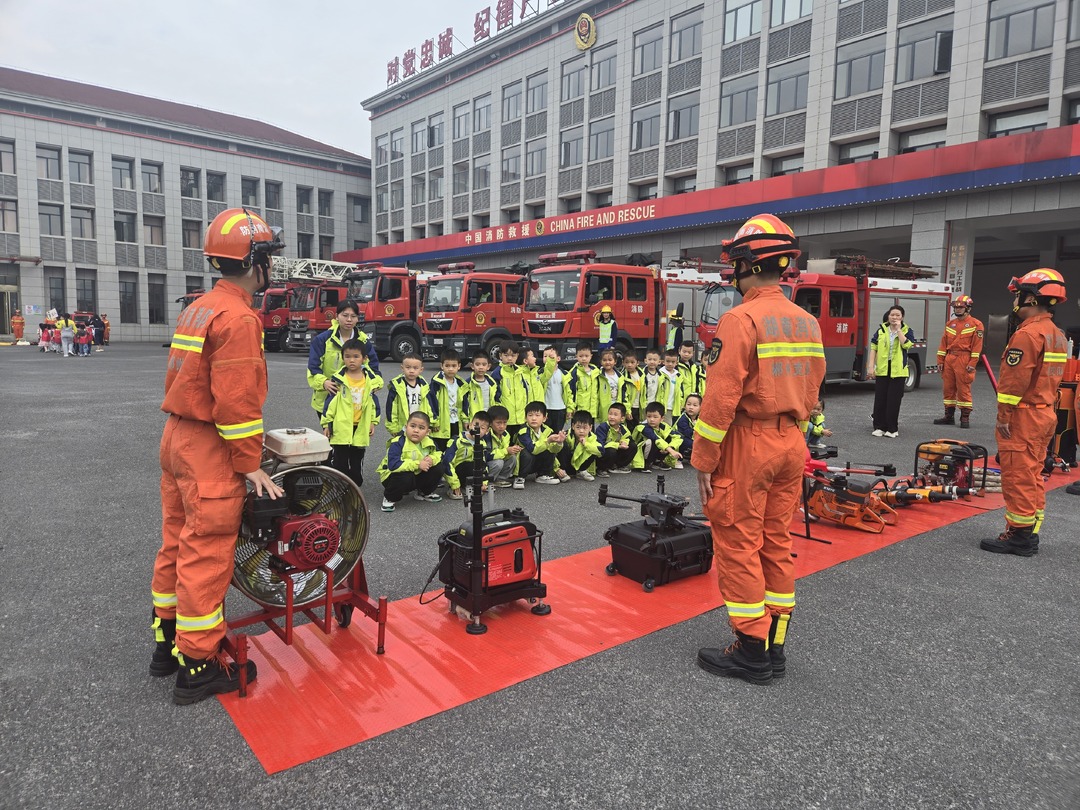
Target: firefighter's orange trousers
{"points": [[1022, 458], [956, 380], [756, 490], [202, 501]]}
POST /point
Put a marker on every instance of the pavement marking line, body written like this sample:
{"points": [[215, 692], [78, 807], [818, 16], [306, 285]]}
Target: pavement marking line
{"points": [[326, 693]]}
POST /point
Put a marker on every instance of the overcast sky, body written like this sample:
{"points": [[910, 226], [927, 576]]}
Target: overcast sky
{"points": [[304, 65]]}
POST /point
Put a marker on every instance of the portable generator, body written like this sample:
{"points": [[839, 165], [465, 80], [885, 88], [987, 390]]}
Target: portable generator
{"points": [[951, 463]]}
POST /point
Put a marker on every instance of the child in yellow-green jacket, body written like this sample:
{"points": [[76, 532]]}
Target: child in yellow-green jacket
{"points": [[412, 464], [351, 414]]}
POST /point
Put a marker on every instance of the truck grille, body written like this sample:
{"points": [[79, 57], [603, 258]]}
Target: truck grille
{"points": [[438, 324], [539, 327]]}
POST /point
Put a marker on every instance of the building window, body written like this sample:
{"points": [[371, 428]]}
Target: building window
{"points": [[435, 184], [859, 152], [921, 140], [860, 67], [419, 189], [684, 185], [193, 283], [7, 157], [303, 245], [570, 147], [192, 233], [215, 187], [273, 195], [738, 101], [645, 127], [326, 248], [733, 175], [923, 50], [787, 87], [1016, 28], [511, 102], [189, 183], [436, 129], [792, 164], [536, 93], [603, 68], [57, 293], [360, 244], [124, 227], [603, 199], [648, 191], [1014, 123], [419, 137], [397, 144], [361, 209], [303, 200], [9, 216], [48, 163], [1074, 111], [482, 172], [648, 50], [382, 200], [743, 19], [86, 290], [482, 114], [129, 297], [151, 177], [785, 11], [535, 157], [459, 180], [571, 205], [154, 230], [602, 139], [249, 191], [51, 220], [573, 79], [326, 203], [382, 150], [461, 122], [686, 36], [155, 297], [511, 164], [82, 223], [81, 168], [123, 173], [683, 117], [397, 195]]}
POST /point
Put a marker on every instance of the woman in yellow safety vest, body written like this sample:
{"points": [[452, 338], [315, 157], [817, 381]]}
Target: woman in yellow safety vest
{"points": [[887, 365], [609, 330]]}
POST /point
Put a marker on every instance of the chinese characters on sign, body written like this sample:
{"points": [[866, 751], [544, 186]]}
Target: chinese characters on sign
{"points": [[621, 215], [402, 67], [957, 266]]}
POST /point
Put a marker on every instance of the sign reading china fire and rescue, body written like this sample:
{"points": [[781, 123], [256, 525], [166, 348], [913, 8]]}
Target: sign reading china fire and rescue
{"points": [[402, 67], [602, 217]]}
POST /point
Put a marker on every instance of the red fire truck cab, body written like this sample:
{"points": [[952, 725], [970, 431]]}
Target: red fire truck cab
{"points": [[469, 311], [387, 300], [273, 308]]}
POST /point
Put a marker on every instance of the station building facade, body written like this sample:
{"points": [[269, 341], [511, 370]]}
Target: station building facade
{"points": [[936, 131], [105, 197]]}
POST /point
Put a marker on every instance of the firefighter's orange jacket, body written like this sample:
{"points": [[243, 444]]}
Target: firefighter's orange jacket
{"points": [[221, 379], [1031, 367], [962, 336], [766, 361]]}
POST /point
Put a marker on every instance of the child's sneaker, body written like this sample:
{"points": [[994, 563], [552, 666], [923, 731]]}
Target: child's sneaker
{"points": [[622, 470], [454, 495], [563, 475], [546, 479], [603, 473], [388, 506], [585, 475], [503, 483], [643, 470], [678, 465], [519, 483], [431, 497]]}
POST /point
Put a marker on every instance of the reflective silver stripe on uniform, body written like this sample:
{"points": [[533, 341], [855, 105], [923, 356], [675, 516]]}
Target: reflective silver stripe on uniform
{"points": [[241, 431], [187, 343], [191, 624]]}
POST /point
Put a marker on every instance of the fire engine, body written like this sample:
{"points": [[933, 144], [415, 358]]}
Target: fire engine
{"points": [[564, 297], [387, 299], [849, 296], [317, 287], [471, 311]]}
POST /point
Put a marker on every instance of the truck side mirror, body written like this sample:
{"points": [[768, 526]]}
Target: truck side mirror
{"points": [[592, 298], [473, 298], [592, 287]]}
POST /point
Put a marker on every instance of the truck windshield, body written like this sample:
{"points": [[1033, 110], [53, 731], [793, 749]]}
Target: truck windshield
{"points": [[442, 295], [276, 301], [718, 300], [304, 298], [362, 289], [553, 291]]}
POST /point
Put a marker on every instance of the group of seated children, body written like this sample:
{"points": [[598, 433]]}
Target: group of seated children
{"points": [[517, 413]]}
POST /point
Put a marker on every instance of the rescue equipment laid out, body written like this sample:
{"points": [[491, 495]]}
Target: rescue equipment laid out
{"points": [[857, 504], [664, 547], [950, 462], [304, 550]]}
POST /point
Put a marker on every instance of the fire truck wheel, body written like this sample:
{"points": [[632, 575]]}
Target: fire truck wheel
{"points": [[913, 377], [622, 348], [402, 344]]}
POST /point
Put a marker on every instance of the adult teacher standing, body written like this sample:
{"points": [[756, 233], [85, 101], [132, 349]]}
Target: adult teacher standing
{"points": [[887, 366]]}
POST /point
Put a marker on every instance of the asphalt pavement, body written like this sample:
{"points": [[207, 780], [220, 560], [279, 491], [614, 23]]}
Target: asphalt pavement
{"points": [[927, 674]]}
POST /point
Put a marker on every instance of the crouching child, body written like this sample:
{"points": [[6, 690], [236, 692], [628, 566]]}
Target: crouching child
{"points": [[657, 442], [412, 464], [581, 450], [539, 447]]}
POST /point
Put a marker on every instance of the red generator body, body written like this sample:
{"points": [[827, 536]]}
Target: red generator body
{"points": [[508, 539]]}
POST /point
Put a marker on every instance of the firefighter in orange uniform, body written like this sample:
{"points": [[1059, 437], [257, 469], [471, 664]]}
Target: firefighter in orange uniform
{"points": [[18, 325], [765, 368], [108, 328], [1031, 372], [958, 354], [215, 387]]}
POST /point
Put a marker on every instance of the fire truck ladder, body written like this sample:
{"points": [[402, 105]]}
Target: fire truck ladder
{"points": [[860, 265], [285, 269]]}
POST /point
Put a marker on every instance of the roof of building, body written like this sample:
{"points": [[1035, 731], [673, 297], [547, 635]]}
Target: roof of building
{"points": [[104, 98]]}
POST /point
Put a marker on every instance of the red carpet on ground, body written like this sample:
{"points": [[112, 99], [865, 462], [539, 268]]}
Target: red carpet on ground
{"points": [[328, 692]]}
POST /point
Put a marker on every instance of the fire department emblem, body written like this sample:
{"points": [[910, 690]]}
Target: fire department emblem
{"points": [[539, 229], [596, 317], [714, 352], [585, 32], [480, 318], [276, 320], [1013, 357], [389, 309]]}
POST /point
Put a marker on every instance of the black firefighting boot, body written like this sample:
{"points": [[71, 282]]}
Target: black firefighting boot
{"points": [[747, 658], [163, 663], [949, 418], [199, 678], [777, 636], [1014, 540], [965, 417]]}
